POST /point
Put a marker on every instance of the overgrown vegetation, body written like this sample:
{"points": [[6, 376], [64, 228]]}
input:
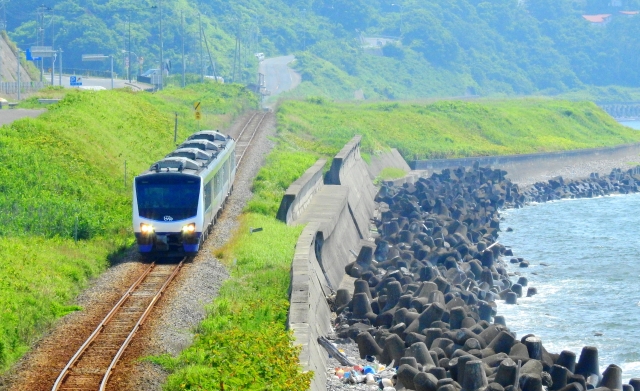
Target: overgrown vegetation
{"points": [[62, 174], [447, 129]]}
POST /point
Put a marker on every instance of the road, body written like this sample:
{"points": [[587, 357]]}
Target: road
{"points": [[100, 82], [7, 116], [278, 76]]}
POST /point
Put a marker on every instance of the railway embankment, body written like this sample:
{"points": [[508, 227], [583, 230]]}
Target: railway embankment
{"points": [[66, 195]]}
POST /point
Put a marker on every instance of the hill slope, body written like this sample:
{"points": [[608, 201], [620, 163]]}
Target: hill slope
{"points": [[443, 47], [65, 169], [448, 129]]}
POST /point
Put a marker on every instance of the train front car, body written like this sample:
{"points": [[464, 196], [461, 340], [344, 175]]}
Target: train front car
{"points": [[178, 200], [168, 209]]}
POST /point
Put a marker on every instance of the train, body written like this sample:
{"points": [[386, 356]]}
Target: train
{"points": [[179, 199]]}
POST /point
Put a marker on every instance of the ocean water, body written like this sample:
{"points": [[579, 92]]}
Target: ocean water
{"points": [[592, 283], [631, 124]]}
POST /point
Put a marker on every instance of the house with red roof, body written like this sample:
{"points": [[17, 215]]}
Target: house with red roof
{"points": [[598, 20]]}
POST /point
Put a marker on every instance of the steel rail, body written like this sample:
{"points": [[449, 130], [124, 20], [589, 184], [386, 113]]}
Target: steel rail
{"points": [[246, 125], [98, 330], [250, 139], [143, 317]]}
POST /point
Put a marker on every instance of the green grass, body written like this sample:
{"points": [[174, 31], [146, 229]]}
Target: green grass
{"points": [[448, 129], [39, 278], [243, 342], [389, 173], [67, 166]]}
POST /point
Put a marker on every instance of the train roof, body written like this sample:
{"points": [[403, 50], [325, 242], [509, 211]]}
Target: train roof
{"points": [[194, 155], [211, 135], [200, 144]]}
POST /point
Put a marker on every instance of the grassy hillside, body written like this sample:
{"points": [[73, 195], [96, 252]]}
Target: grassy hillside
{"points": [[447, 129], [441, 47], [66, 167]]}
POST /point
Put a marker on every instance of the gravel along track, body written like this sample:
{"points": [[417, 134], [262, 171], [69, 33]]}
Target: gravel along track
{"points": [[169, 329]]}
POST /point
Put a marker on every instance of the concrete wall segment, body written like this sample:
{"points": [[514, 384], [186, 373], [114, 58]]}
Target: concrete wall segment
{"points": [[391, 158], [299, 194], [519, 167], [309, 312], [348, 169]]}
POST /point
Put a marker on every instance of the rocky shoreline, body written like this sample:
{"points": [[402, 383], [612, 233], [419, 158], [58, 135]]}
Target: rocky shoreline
{"points": [[424, 313]]}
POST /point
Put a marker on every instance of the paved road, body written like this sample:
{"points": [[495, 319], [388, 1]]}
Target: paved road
{"points": [[7, 116], [278, 76], [100, 82]]}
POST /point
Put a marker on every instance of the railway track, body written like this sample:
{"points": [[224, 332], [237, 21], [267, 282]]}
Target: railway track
{"points": [[93, 363], [247, 134]]}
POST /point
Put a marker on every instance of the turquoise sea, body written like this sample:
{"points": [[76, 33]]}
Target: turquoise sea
{"points": [[592, 282], [631, 124]]}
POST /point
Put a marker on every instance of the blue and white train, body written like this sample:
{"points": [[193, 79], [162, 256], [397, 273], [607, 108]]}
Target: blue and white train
{"points": [[178, 200]]}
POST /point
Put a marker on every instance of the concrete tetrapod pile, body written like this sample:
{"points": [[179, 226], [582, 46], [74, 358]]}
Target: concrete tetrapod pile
{"points": [[425, 293]]}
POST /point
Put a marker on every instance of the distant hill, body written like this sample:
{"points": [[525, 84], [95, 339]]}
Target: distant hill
{"points": [[9, 62], [442, 47]]}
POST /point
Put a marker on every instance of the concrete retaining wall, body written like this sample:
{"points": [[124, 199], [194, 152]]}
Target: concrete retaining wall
{"points": [[519, 167], [337, 217], [386, 159], [309, 312], [348, 169], [300, 193]]}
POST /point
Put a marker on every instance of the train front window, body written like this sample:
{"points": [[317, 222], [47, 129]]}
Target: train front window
{"points": [[167, 197]]}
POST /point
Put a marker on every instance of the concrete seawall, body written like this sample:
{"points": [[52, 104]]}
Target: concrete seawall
{"points": [[391, 158], [348, 168], [300, 193], [520, 167], [337, 211], [309, 312]]}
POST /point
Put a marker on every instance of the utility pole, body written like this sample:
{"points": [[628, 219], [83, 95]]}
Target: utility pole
{"points": [[237, 63], [53, 67], [161, 49], [304, 40], [60, 64], [184, 82], [41, 34], [213, 66], [19, 84], [129, 50], [201, 62], [111, 57]]}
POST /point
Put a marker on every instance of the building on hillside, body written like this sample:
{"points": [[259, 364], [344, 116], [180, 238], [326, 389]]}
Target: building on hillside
{"points": [[629, 14], [598, 20]]}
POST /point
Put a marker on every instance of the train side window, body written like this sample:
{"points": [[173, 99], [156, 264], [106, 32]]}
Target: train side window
{"points": [[207, 194], [218, 184], [225, 169]]}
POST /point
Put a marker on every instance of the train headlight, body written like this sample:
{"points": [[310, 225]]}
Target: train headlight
{"points": [[189, 228], [146, 228]]}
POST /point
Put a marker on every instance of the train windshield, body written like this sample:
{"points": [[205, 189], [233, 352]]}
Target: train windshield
{"points": [[167, 197]]}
